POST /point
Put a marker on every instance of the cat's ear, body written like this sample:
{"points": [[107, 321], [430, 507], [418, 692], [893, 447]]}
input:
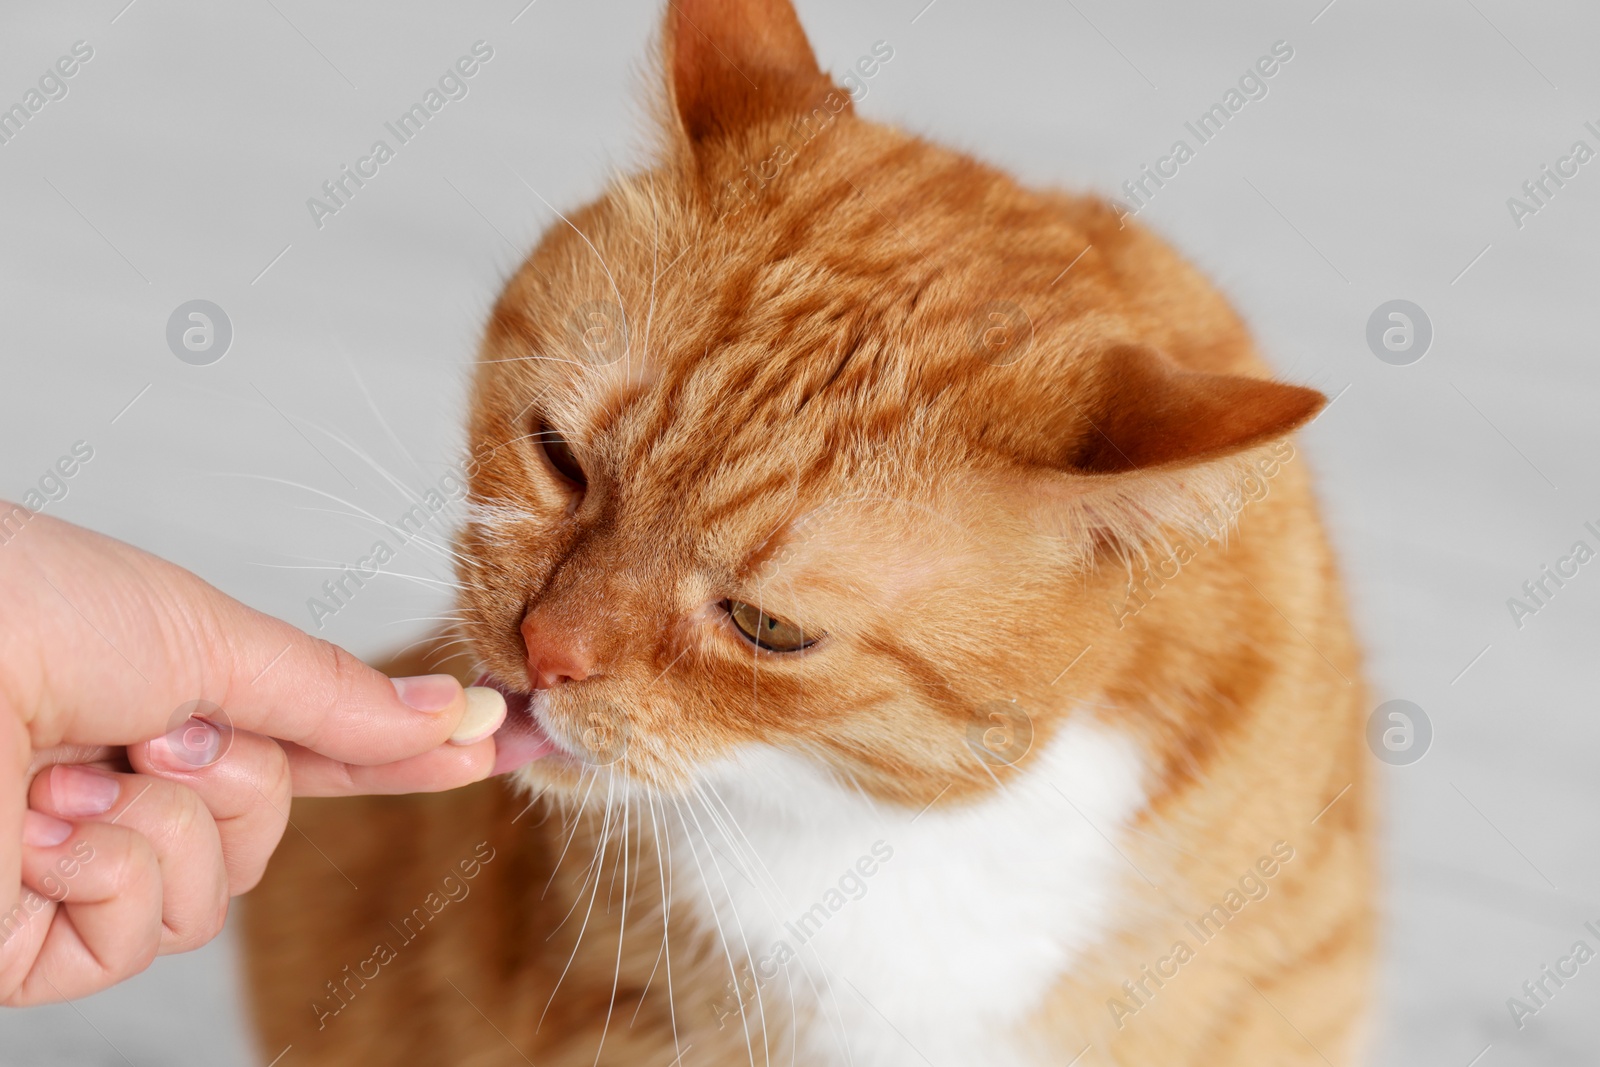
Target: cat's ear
{"points": [[1154, 447], [733, 64], [1138, 411]]}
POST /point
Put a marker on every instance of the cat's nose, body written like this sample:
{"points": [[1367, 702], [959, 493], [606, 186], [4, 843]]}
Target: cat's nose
{"points": [[554, 656]]}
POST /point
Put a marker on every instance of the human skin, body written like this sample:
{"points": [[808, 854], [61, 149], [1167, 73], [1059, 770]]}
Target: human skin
{"points": [[126, 829]]}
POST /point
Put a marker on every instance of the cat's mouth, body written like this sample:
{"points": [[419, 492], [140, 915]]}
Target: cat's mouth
{"points": [[521, 739]]}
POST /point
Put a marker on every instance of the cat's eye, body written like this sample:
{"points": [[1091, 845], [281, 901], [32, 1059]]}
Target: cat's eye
{"points": [[767, 631], [559, 453]]}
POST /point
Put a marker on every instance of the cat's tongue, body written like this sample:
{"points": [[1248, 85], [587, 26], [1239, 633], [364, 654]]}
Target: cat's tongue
{"points": [[520, 739]]}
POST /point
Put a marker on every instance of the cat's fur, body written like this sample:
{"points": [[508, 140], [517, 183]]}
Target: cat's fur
{"points": [[1022, 468]]}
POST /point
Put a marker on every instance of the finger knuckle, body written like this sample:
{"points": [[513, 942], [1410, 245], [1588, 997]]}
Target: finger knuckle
{"points": [[133, 866], [277, 778]]}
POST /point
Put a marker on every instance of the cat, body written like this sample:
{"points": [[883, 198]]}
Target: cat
{"points": [[920, 640]]}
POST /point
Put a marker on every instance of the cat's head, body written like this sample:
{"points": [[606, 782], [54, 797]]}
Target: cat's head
{"points": [[817, 437]]}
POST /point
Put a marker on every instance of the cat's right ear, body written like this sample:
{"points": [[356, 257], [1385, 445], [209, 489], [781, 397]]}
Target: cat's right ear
{"points": [[734, 64]]}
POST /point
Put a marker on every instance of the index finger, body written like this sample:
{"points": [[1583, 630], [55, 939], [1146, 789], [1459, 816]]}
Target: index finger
{"points": [[107, 642]]}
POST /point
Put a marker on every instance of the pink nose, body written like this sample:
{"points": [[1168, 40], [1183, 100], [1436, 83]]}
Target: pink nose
{"points": [[554, 657]]}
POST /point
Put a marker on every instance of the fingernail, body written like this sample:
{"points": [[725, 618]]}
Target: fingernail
{"points": [[486, 710], [190, 745], [79, 791], [429, 692], [44, 831]]}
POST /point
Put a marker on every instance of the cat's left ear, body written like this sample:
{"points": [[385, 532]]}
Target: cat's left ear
{"points": [[734, 64], [1143, 444], [1138, 411]]}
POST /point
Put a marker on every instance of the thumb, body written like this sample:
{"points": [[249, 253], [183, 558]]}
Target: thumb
{"points": [[119, 646]]}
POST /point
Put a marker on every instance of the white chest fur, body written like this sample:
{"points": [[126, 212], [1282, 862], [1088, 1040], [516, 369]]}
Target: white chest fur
{"points": [[884, 936]]}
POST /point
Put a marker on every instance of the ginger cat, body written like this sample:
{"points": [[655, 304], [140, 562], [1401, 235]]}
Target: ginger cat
{"points": [[921, 643]]}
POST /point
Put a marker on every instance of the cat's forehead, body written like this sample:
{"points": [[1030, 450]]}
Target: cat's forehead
{"points": [[745, 366]]}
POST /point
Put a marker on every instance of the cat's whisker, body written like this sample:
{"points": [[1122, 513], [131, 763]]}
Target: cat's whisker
{"points": [[761, 1009], [722, 937], [655, 273], [447, 584], [577, 942], [405, 491], [604, 266], [745, 850], [452, 634], [372, 406], [555, 868], [638, 855], [748, 853], [361, 454], [451, 638], [527, 358], [442, 550], [594, 869], [622, 924], [664, 876], [837, 1023], [831, 1000], [356, 510]]}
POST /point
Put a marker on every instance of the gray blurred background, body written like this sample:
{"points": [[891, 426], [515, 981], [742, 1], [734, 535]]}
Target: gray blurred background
{"points": [[1377, 167]]}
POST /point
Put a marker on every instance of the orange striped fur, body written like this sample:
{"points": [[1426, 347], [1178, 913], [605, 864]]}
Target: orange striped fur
{"points": [[999, 449]]}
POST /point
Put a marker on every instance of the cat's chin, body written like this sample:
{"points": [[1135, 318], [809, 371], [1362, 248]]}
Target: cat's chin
{"points": [[527, 752]]}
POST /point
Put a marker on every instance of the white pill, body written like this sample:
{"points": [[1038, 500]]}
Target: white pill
{"points": [[486, 710]]}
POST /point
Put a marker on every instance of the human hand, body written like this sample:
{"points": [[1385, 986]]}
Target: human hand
{"points": [[125, 825]]}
